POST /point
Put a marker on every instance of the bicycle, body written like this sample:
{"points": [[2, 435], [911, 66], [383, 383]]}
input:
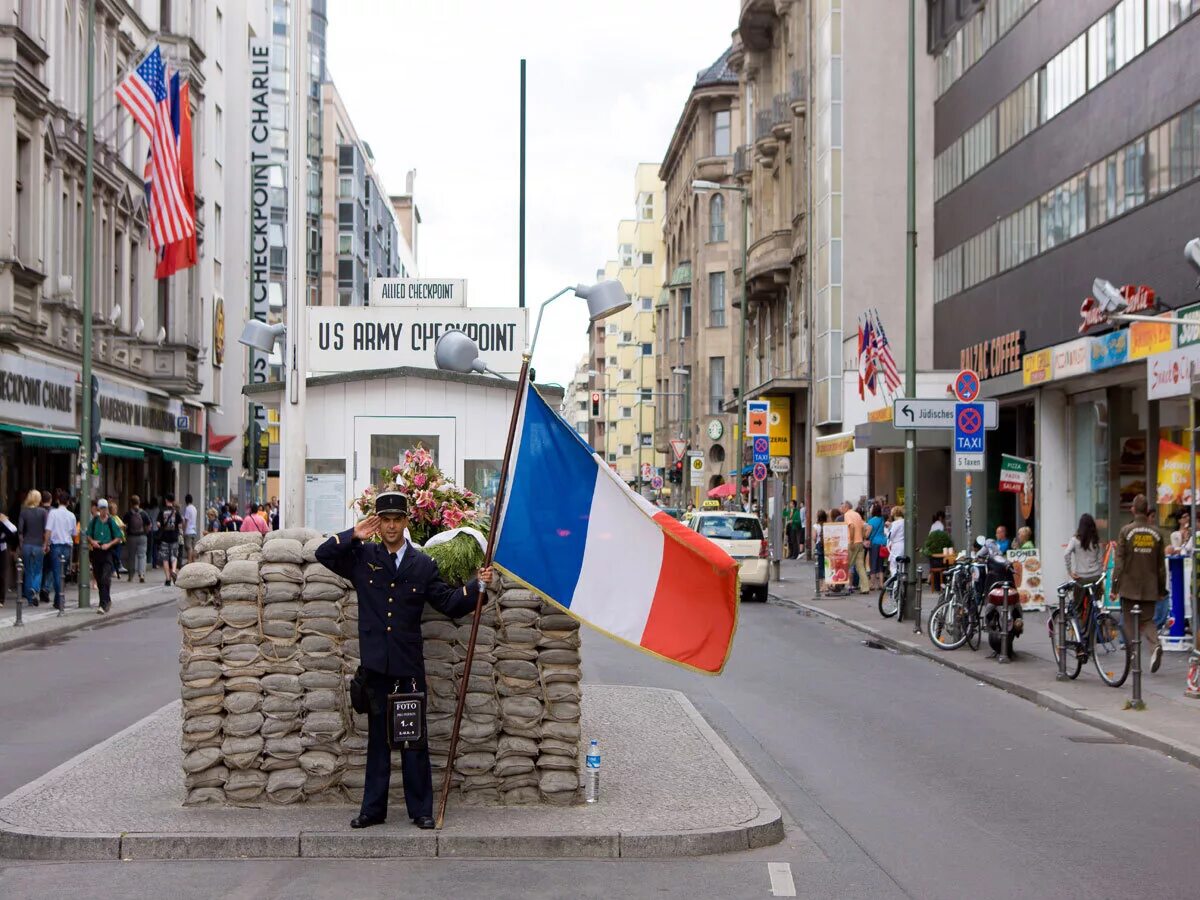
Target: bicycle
{"points": [[1090, 631], [895, 589], [956, 619]]}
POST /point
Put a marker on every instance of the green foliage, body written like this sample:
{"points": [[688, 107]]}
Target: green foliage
{"points": [[936, 543], [457, 559]]}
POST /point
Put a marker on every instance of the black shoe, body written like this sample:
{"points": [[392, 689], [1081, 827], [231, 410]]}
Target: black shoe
{"points": [[423, 821], [367, 821]]}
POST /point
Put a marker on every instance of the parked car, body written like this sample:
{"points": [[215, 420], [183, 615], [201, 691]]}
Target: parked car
{"points": [[741, 536], [673, 511]]}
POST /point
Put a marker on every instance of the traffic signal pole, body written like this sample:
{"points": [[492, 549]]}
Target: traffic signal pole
{"points": [[910, 324]]}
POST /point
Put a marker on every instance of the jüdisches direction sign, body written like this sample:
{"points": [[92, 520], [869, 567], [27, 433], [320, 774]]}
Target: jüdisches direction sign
{"points": [[365, 338], [920, 413], [418, 292]]}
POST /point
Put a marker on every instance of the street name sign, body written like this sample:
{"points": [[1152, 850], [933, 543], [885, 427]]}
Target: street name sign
{"points": [[925, 413], [366, 338], [418, 292]]}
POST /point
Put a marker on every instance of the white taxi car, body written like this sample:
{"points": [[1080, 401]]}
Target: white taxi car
{"points": [[741, 536]]}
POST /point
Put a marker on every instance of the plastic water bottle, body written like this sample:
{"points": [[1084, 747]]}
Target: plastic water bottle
{"points": [[591, 786]]}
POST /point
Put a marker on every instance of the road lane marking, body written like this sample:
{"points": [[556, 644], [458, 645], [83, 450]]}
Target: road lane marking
{"points": [[782, 884]]}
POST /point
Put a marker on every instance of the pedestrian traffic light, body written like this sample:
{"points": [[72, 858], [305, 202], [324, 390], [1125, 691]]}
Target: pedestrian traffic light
{"points": [[595, 404]]}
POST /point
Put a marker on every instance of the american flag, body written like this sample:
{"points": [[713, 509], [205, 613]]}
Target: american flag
{"points": [[882, 351], [144, 93], [866, 360]]}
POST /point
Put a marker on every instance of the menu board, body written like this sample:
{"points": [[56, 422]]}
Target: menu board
{"points": [[836, 537], [1027, 578]]}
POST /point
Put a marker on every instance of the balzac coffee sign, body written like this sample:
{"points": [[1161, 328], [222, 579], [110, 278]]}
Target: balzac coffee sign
{"points": [[998, 356]]}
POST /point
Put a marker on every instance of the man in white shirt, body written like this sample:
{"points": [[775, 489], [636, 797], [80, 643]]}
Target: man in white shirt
{"points": [[60, 535], [189, 528]]}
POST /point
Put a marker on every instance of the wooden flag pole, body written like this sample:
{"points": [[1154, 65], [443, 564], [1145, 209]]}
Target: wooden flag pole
{"points": [[479, 600]]}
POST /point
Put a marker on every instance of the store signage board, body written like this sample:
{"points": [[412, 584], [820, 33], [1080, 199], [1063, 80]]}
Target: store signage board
{"points": [[36, 393], [920, 414], [1171, 374], [1187, 335], [1110, 350], [366, 338], [758, 416], [996, 356], [1014, 475], [780, 464], [1070, 359], [1035, 367], [439, 292], [1150, 338]]}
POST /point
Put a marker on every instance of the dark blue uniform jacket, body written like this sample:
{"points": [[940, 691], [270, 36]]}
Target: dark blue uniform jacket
{"points": [[390, 601]]}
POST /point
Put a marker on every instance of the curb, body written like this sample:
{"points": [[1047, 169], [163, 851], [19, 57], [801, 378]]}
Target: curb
{"points": [[763, 830], [1056, 703], [16, 638]]}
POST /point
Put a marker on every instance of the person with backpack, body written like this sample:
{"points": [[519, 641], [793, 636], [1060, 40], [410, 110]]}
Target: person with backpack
{"points": [[137, 531], [169, 523], [103, 535]]}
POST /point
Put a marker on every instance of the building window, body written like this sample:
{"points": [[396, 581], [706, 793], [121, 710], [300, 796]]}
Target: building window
{"points": [[612, 457], [345, 186], [716, 299], [627, 449], [647, 348], [716, 218], [1063, 212], [721, 142], [626, 336], [612, 360], [581, 428], [627, 374], [626, 253], [626, 412], [716, 383], [647, 394], [647, 440], [646, 304], [646, 206], [685, 313], [647, 258], [611, 328], [345, 242]]}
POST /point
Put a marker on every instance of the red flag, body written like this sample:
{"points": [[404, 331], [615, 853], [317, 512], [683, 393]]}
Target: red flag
{"points": [[182, 254]]}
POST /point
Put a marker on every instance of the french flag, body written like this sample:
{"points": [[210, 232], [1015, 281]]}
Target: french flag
{"points": [[572, 531]]}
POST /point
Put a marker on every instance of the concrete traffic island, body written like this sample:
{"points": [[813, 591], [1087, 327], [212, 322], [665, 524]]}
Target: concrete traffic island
{"points": [[669, 787]]}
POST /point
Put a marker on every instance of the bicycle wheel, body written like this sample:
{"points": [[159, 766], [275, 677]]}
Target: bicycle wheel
{"points": [[1110, 650], [889, 597], [948, 625], [1072, 644]]}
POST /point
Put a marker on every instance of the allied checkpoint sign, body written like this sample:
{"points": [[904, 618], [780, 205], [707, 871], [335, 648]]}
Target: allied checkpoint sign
{"points": [[418, 292], [366, 338]]}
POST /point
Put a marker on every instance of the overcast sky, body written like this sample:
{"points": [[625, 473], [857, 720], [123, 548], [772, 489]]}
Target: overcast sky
{"points": [[434, 85]]}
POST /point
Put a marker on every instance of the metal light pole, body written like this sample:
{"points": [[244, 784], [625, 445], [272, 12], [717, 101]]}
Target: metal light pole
{"points": [[740, 427], [910, 316], [89, 191]]}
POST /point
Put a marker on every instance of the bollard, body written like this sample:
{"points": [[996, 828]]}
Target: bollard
{"points": [[1136, 701], [17, 623], [1002, 653], [920, 592], [1060, 637]]}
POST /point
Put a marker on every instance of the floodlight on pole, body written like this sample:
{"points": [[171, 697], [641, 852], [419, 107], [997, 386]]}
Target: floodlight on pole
{"points": [[603, 299], [1191, 252], [262, 337]]}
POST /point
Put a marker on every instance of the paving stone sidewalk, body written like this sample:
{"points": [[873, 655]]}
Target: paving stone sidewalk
{"points": [[43, 623], [1169, 724], [669, 787]]}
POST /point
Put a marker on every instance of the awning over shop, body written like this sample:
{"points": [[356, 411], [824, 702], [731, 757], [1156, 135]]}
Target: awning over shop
{"points": [[835, 444], [682, 277], [173, 454], [125, 451], [220, 462], [41, 437]]}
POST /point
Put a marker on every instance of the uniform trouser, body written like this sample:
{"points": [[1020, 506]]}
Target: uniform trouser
{"points": [[418, 777]]}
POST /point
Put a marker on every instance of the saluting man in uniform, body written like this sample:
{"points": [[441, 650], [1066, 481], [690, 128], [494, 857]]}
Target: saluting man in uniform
{"points": [[394, 580]]}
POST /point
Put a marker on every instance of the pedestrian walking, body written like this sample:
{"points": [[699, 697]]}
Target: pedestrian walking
{"points": [[103, 535], [791, 527], [44, 592], [169, 524], [858, 545], [255, 520], [819, 546], [152, 538], [212, 520], [137, 534], [1140, 576], [60, 532], [394, 581], [31, 526], [231, 521], [895, 537], [189, 528], [274, 514], [876, 542]]}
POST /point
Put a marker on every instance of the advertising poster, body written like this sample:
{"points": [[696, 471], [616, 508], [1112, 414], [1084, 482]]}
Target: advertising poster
{"points": [[1027, 578], [837, 553], [1174, 474]]}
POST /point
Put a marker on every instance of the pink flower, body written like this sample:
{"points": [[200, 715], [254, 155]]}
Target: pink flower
{"points": [[396, 470], [422, 457], [419, 480], [452, 518], [423, 500]]}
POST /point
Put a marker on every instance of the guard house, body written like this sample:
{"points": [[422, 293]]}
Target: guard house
{"points": [[358, 423]]}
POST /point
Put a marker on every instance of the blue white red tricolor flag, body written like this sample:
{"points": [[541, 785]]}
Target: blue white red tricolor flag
{"points": [[572, 531], [144, 92], [866, 359]]}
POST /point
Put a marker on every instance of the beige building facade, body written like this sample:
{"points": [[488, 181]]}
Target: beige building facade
{"points": [[698, 312]]}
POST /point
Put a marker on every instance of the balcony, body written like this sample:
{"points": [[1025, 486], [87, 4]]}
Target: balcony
{"points": [[799, 94], [742, 159], [755, 23], [765, 141], [781, 116], [712, 168], [769, 263]]}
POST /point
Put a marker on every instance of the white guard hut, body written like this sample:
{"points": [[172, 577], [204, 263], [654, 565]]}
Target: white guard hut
{"points": [[357, 423]]}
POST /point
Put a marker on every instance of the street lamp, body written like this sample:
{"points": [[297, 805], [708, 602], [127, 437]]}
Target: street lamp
{"points": [[455, 352], [700, 185], [262, 337]]}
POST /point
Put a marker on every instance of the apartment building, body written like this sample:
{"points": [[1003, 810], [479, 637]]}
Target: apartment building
{"points": [[698, 312], [168, 380], [622, 346]]}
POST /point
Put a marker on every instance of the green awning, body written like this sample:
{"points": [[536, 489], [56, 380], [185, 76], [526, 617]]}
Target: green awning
{"points": [[41, 437], [682, 276], [664, 299], [221, 462], [112, 448], [173, 454]]}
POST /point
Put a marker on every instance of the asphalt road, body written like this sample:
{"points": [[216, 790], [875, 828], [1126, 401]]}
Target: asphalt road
{"points": [[897, 777]]}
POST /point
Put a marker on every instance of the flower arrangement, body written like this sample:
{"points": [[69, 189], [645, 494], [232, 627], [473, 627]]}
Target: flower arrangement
{"points": [[435, 504]]}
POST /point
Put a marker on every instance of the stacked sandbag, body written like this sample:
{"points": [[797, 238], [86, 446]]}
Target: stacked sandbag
{"points": [[270, 641]]}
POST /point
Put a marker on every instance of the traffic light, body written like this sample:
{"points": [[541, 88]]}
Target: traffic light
{"points": [[595, 404], [676, 473]]}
